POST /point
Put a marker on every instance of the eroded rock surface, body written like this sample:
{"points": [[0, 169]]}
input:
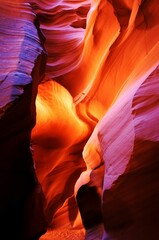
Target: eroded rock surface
{"points": [[95, 142]]}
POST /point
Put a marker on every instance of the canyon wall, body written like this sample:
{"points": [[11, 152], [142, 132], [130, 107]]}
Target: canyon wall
{"points": [[79, 113]]}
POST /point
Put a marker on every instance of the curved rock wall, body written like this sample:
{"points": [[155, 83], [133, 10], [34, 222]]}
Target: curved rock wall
{"points": [[95, 145], [22, 59]]}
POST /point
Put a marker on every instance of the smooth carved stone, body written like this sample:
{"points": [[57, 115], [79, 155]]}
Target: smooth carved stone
{"points": [[20, 48], [63, 25], [22, 57], [95, 142]]}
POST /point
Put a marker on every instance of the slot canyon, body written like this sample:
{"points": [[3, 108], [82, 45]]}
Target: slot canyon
{"points": [[79, 119]]}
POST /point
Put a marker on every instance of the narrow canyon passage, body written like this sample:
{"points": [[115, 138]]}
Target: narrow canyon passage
{"points": [[79, 113]]}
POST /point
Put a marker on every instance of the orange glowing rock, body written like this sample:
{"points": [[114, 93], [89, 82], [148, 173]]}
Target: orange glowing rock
{"points": [[57, 141], [126, 138], [114, 79], [63, 25], [96, 139]]}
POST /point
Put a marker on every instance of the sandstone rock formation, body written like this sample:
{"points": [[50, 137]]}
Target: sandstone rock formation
{"points": [[22, 56], [83, 163]]}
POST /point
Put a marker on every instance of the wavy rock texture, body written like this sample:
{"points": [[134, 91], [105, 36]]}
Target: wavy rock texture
{"points": [[62, 23], [126, 138], [20, 48], [21, 202], [96, 139]]}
